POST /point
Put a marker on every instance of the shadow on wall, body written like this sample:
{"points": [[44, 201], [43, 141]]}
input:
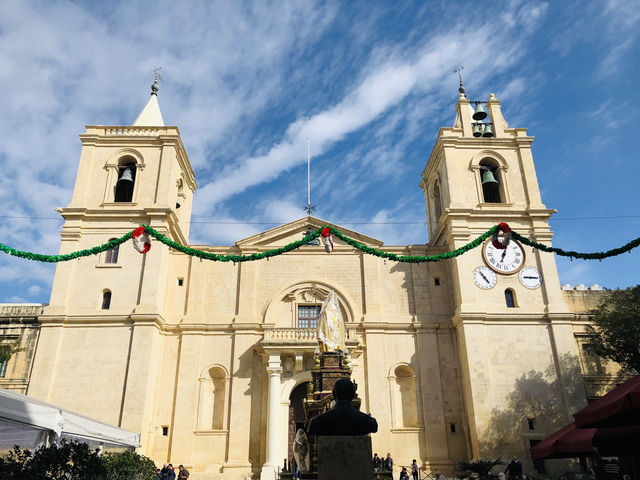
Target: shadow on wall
{"points": [[540, 403]]}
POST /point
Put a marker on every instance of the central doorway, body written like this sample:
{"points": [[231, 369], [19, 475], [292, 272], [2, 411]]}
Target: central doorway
{"points": [[296, 417]]}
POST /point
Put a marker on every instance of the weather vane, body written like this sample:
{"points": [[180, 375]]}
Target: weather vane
{"points": [[158, 78], [459, 70], [308, 207]]}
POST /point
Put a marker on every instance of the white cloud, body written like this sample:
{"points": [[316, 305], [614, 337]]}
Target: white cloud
{"points": [[382, 87]]}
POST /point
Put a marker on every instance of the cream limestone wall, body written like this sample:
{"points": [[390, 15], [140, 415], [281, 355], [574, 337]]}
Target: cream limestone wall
{"points": [[443, 366]]}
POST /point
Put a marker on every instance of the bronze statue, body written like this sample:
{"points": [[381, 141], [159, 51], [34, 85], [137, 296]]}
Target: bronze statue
{"points": [[343, 419]]}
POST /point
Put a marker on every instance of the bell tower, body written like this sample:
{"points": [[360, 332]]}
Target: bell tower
{"points": [[479, 173], [127, 176]]}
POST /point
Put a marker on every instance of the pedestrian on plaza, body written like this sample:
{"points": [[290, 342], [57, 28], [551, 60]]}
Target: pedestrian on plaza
{"points": [[388, 462], [163, 472], [514, 470], [414, 470], [171, 473], [404, 475], [377, 462], [183, 473]]}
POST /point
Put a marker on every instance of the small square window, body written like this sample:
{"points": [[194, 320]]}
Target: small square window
{"points": [[452, 427], [180, 282], [436, 281], [532, 423], [165, 431]]}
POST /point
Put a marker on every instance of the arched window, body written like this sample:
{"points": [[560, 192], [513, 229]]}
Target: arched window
{"points": [[490, 178], [510, 298], [437, 200], [211, 407], [126, 180], [111, 256], [106, 299], [405, 408]]}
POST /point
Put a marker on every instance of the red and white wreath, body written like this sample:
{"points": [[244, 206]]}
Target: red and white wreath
{"points": [[501, 244], [141, 240], [327, 240]]}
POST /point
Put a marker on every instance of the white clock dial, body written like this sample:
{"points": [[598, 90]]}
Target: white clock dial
{"points": [[484, 277], [530, 277], [508, 260]]}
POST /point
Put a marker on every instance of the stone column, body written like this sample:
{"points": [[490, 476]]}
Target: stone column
{"points": [[274, 370]]}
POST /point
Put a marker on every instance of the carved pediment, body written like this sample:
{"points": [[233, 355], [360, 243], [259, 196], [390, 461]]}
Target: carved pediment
{"points": [[290, 232]]}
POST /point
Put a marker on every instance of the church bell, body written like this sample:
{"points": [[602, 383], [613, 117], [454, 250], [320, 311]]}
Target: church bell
{"points": [[487, 177], [479, 113], [477, 129], [488, 131], [126, 176]]}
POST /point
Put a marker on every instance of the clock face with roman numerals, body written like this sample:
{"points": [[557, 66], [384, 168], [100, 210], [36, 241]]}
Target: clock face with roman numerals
{"points": [[507, 261]]}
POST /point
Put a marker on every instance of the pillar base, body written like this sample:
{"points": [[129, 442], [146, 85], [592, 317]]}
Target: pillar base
{"points": [[269, 472]]}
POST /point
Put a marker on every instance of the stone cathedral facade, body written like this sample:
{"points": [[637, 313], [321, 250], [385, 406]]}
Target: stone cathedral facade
{"points": [[209, 361]]}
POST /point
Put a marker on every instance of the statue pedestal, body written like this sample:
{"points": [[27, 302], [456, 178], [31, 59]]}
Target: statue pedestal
{"points": [[345, 458]]}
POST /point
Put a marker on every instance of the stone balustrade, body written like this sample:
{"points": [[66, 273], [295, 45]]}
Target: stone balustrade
{"points": [[17, 310], [299, 336], [131, 131]]}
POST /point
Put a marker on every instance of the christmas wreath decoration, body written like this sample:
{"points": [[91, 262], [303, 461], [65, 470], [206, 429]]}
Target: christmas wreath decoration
{"points": [[141, 240], [506, 238], [327, 239]]}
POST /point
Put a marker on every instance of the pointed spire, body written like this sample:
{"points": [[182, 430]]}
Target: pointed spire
{"points": [[151, 115]]}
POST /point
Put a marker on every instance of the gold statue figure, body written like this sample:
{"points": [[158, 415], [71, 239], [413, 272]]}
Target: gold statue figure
{"points": [[331, 329]]}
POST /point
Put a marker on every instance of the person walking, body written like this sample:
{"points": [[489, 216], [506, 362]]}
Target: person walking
{"points": [[171, 473], [514, 470], [415, 470], [183, 473], [377, 462], [388, 463]]}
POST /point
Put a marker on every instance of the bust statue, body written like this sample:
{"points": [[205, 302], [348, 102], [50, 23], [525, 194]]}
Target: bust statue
{"points": [[331, 330], [343, 419]]}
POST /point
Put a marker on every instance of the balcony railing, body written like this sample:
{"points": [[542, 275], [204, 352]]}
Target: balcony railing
{"points": [[299, 336]]}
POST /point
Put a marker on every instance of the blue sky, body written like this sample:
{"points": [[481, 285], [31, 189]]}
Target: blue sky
{"points": [[370, 82]]}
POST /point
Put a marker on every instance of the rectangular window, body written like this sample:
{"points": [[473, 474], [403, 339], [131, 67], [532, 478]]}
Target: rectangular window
{"points": [[3, 369], [112, 255], [308, 316], [165, 431], [180, 282], [537, 464], [452, 426], [436, 281], [532, 423]]}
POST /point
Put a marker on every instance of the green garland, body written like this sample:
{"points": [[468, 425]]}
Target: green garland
{"points": [[584, 256], [415, 258], [305, 240], [37, 257]]}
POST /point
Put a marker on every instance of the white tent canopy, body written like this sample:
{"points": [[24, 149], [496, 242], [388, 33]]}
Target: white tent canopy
{"points": [[44, 416]]}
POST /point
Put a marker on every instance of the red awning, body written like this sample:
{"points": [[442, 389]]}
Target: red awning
{"points": [[620, 407], [571, 441], [566, 442]]}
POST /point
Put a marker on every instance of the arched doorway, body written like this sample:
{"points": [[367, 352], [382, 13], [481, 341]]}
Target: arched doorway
{"points": [[296, 415]]}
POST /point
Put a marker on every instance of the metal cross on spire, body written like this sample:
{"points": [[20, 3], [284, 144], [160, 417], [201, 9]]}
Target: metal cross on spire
{"points": [[461, 88], [308, 207]]}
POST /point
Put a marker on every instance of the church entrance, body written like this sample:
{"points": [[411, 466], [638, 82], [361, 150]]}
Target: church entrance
{"points": [[296, 416]]}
